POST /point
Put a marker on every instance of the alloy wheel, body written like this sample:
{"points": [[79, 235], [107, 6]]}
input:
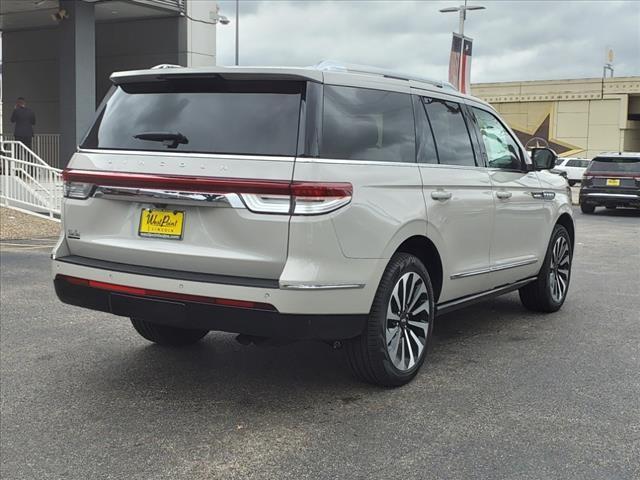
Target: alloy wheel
{"points": [[407, 325], [559, 269]]}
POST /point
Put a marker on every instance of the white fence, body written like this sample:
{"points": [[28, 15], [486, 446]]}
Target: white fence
{"points": [[44, 145], [27, 182]]}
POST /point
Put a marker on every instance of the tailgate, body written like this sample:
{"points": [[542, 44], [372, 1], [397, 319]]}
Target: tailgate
{"points": [[189, 175]]}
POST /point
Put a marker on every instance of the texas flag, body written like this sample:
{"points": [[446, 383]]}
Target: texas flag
{"points": [[460, 72]]}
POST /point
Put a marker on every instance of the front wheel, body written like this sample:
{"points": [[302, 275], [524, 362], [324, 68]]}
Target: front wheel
{"points": [[586, 208], [548, 292], [166, 335], [395, 342]]}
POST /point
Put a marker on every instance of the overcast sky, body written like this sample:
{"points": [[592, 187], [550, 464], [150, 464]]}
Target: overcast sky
{"points": [[513, 40]]}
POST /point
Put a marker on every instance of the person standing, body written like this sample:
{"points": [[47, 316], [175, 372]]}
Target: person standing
{"points": [[24, 120]]}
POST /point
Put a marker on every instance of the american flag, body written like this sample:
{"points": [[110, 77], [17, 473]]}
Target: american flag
{"points": [[459, 72]]}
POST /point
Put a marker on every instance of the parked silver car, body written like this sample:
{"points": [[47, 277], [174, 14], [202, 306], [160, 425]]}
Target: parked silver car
{"points": [[325, 203]]}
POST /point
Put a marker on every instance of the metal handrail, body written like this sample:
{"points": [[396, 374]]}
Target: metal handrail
{"points": [[30, 185], [45, 146]]}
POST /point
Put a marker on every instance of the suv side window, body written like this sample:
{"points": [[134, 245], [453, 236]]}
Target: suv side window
{"points": [[425, 142], [573, 163], [502, 149], [450, 130], [365, 124]]}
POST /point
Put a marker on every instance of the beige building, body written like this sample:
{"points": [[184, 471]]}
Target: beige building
{"points": [[574, 117]]}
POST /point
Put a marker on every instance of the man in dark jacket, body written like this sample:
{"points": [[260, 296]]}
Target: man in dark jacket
{"points": [[25, 119]]}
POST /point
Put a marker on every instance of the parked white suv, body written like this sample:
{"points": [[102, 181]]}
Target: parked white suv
{"points": [[575, 168], [306, 203]]}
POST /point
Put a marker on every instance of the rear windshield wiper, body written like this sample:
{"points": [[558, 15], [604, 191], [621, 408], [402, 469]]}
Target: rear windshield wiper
{"points": [[170, 139]]}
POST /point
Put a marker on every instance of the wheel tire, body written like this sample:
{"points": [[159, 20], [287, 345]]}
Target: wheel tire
{"points": [[368, 354], [166, 335], [539, 295], [587, 208], [572, 182]]}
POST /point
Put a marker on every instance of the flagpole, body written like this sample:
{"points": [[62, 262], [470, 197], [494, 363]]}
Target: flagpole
{"points": [[462, 9], [463, 14]]}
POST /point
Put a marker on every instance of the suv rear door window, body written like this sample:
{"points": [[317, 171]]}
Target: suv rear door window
{"points": [[425, 142], [201, 115], [615, 164], [366, 124], [450, 130]]}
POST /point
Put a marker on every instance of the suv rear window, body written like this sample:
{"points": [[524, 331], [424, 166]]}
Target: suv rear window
{"points": [[365, 124], [615, 164], [213, 116]]}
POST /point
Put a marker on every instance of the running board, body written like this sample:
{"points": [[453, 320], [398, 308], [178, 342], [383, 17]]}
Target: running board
{"points": [[452, 305]]}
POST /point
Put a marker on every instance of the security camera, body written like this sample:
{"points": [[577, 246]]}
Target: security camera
{"points": [[224, 20], [60, 15]]}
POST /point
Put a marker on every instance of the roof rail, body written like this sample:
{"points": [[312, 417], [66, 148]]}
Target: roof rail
{"points": [[165, 65], [329, 66]]}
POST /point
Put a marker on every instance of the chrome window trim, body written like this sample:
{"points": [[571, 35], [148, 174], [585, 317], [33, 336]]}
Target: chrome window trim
{"points": [[354, 162], [473, 168], [494, 268], [273, 158]]}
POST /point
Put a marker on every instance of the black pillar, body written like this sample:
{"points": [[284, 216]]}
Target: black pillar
{"points": [[77, 74]]}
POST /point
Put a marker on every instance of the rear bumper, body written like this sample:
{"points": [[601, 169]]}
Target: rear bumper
{"points": [[199, 315], [605, 196]]}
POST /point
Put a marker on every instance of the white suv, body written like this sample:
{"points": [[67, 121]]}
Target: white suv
{"points": [[325, 203], [575, 168]]}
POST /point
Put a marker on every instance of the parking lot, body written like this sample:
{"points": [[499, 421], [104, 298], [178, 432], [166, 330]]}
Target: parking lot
{"points": [[505, 393]]}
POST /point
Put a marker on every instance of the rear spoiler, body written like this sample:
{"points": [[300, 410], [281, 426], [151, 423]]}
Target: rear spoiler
{"points": [[226, 73]]}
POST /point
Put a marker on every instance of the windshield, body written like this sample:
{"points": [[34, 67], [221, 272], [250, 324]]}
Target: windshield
{"points": [[201, 115], [619, 164]]}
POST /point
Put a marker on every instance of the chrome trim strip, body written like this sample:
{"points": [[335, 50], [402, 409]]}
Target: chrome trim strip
{"points": [[311, 286], [495, 268], [275, 158], [618, 195], [152, 195], [471, 273], [354, 162], [544, 195]]}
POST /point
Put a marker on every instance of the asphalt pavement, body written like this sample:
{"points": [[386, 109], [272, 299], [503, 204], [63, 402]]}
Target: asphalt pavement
{"points": [[505, 393]]}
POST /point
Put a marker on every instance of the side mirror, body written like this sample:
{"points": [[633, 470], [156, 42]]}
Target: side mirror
{"points": [[543, 158]]}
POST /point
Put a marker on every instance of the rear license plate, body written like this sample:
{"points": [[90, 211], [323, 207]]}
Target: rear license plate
{"points": [[613, 182], [161, 223]]}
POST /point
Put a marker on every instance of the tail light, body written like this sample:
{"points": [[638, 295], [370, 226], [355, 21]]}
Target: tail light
{"points": [[259, 196], [73, 189], [79, 190], [304, 198]]}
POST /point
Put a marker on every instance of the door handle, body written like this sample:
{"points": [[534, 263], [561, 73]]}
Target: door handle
{"points": [[503, 195], [441, 195]]}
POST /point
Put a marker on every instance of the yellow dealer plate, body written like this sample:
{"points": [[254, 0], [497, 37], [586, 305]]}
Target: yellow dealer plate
{"points": [[161, 223], [613, 182]]}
